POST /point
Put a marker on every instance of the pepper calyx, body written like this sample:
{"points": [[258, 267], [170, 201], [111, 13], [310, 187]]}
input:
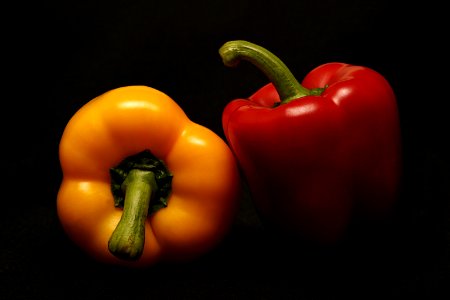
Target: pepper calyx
{"points": [[145, 161]]}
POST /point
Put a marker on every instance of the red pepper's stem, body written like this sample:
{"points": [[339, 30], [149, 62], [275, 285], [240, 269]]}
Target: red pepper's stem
{"points": [[278, 73], [127, 240]]}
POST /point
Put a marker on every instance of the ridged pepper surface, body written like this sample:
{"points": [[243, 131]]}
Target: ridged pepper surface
{"points": [[319, 154], [142, 183]]}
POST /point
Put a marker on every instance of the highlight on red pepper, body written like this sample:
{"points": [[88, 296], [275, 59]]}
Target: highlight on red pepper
{"points": [[319, 154], [142, 183]]}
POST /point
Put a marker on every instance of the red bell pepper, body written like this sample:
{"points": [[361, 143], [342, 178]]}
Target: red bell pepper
{"points": [[319, 154]]}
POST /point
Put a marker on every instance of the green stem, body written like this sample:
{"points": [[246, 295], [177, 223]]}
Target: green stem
{"points": [[278, 73], [127, 240]]}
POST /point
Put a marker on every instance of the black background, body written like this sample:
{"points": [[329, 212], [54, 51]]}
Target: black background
{"points": [[58, 55]]}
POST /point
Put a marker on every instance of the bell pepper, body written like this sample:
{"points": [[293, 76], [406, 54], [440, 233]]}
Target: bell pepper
{"points": [[142, 183], [320, 155]]}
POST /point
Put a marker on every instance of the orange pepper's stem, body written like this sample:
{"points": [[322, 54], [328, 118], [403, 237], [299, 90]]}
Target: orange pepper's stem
{"points": [[127, 240]]}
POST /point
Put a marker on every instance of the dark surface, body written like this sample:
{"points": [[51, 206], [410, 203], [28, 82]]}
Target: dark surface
{"points": [[57, 55]]}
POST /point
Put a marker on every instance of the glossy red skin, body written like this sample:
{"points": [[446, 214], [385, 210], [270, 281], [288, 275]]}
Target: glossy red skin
{"points": [[314, 163]]}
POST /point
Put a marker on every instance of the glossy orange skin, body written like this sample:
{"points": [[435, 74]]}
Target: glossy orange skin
{"points": [[126, 121]]}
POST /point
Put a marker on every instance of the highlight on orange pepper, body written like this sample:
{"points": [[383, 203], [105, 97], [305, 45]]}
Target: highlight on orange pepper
{"points": [[141, 182]]}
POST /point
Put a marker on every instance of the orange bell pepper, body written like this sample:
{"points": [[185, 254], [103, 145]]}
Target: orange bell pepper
{"points": [[142, 183]]}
